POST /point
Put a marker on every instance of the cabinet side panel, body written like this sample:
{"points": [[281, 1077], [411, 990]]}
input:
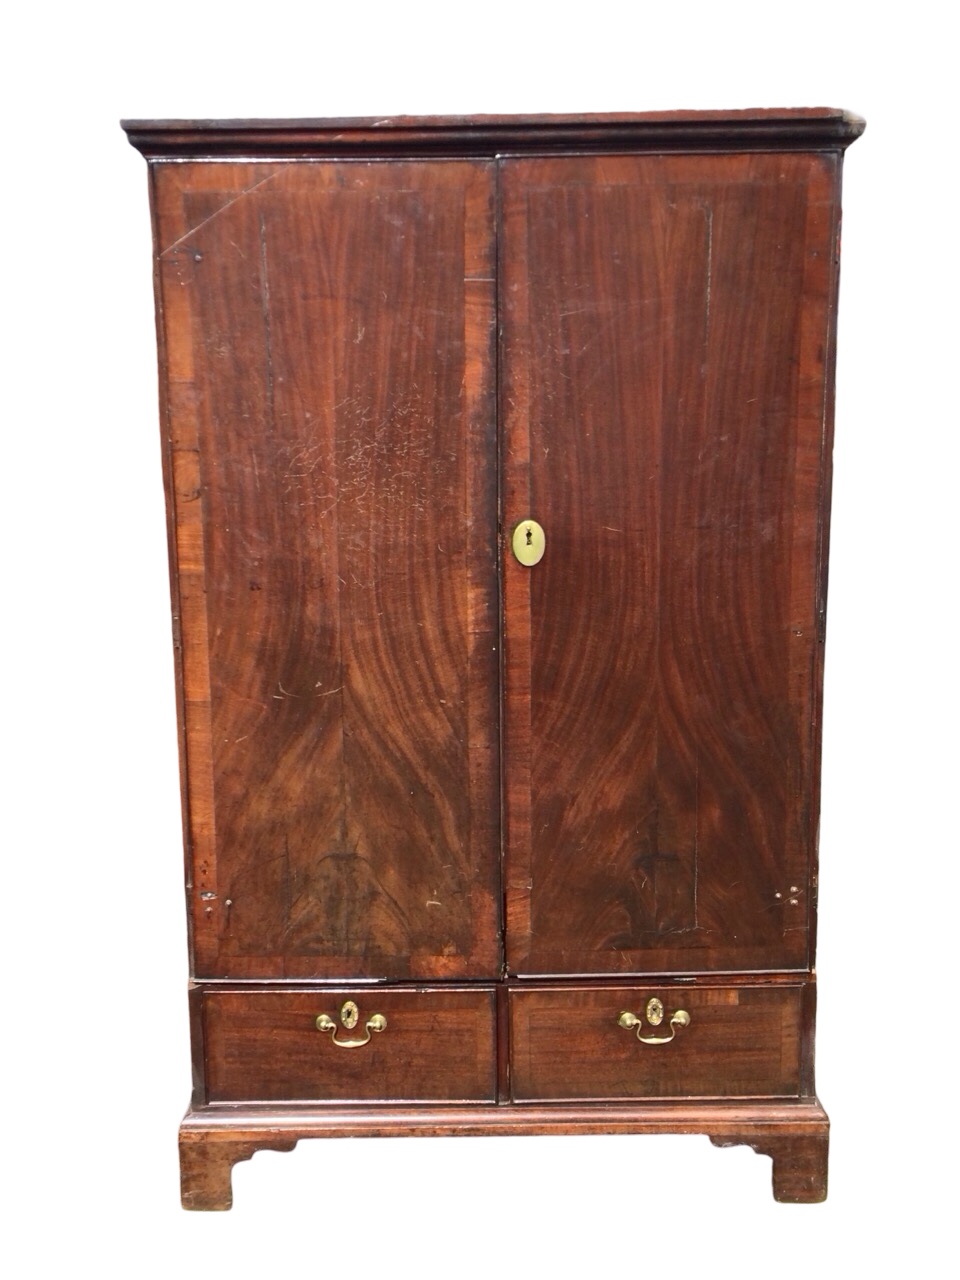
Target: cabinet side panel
{"points": [[664, 366], [335, 395]]}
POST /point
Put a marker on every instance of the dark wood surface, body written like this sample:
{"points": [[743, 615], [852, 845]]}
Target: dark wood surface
{"points": [[438, 1046], [799, 1162], [804, 128], [566, 1043], [206, 1165], [794, 1134], [666, 332], [347, 451], [330, 381]]}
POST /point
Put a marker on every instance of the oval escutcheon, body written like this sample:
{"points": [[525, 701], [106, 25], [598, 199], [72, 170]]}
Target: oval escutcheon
{"points": [[654, 1012], [529, 542]]}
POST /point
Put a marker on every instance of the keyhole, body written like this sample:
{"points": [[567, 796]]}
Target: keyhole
{"points": [[527, 542]]}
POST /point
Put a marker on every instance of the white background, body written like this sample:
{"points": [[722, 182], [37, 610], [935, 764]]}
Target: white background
{"points": [[94, 1010]]}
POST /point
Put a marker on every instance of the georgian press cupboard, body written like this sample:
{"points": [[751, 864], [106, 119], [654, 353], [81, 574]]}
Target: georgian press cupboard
{"points": [[497, 460]]}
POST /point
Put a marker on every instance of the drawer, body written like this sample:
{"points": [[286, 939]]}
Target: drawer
{"points": [[739, 1042], [435, 1046]]}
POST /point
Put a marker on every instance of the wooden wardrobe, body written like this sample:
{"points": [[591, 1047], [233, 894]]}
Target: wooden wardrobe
{"points": [[497, 461]]}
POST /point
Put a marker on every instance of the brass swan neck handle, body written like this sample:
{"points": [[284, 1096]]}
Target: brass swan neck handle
{"points": [[629, 1020], [349, 1017]]}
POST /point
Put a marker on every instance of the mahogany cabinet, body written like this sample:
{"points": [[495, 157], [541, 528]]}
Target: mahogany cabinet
{"points": [[497, 460]]}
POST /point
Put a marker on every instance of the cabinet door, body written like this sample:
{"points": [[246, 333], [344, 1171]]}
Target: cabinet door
{"points": [[667, 335], [329, 335]]}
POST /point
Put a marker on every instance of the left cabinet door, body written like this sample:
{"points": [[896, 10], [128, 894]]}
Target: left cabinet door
{"points": [[328, 340]]}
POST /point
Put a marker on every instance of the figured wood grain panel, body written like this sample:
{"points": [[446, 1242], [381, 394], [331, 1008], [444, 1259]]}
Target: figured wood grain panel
{"points": [[336, 523], [740, 1042], [437, 1046], [666, 333]]}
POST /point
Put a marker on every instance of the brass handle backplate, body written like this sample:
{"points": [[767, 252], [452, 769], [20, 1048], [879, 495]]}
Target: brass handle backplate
{"points": [[654, 1010], [350, 1016]]}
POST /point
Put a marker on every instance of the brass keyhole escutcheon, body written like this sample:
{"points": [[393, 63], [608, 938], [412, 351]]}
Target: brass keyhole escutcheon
{"points": [[349, 1015], [528, 542], [654, 1012]]}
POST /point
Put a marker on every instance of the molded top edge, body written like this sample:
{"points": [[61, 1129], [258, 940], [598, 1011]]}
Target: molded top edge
{"points": [[752, 129]]}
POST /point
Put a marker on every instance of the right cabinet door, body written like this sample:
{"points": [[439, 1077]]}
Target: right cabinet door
{"points": [[667, 332]]}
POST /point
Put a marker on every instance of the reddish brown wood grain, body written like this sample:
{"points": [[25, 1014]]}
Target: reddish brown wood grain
{"points": [[341, 437], [331, 399], [794, 1134], [764, 129], [206, 1165], [666, 324], [799, 1162], [438, 1046], [740, 1042]]}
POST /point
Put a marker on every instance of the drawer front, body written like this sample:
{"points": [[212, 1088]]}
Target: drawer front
{"points": [[435, 1046], [737, 1042]]}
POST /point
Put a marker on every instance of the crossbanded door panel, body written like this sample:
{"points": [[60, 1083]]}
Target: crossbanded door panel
{"points": [[667, 330], [330, 330]]}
